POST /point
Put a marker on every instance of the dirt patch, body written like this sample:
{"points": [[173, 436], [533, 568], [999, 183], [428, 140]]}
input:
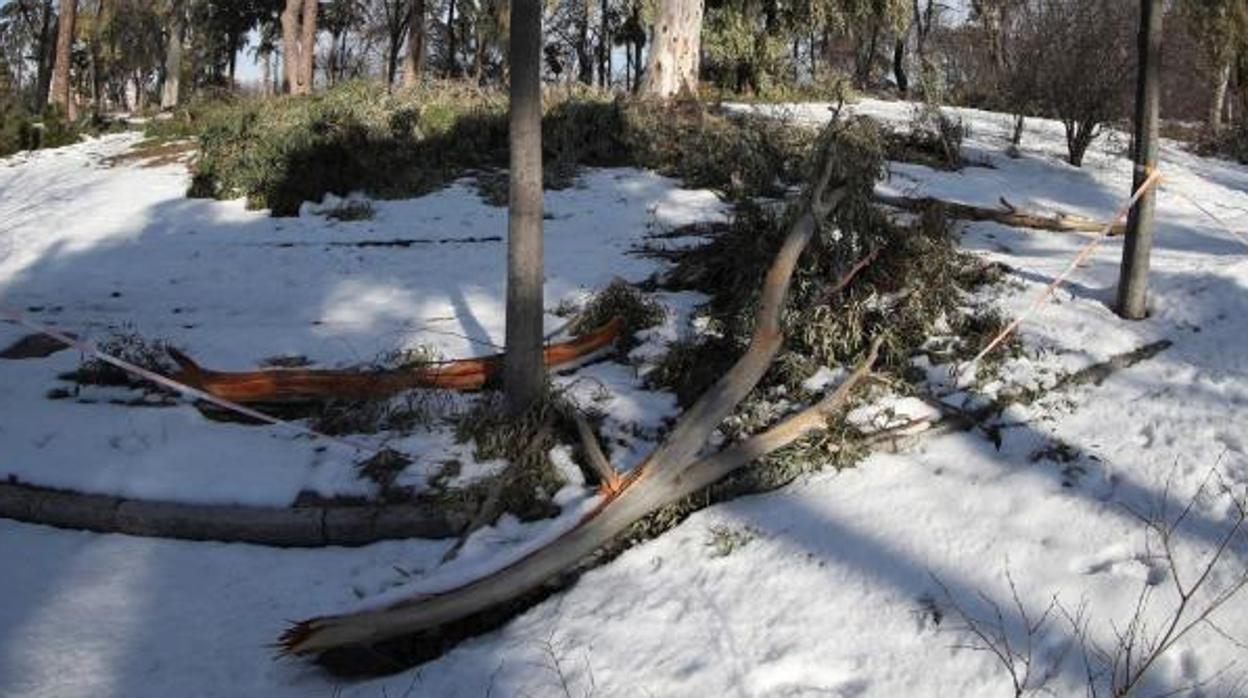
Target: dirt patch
{"points": [[154, 152]]}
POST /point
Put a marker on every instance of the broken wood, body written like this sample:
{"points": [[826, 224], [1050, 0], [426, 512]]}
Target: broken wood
{"points": [[609, 480], [671, 472], [294, 385], [1008, 214]]}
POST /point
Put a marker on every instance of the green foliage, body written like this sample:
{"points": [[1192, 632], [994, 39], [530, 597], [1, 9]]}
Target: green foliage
{"points": [[281, 152], [20, 130], [619, 299], [526, 486], [915, 287], [933, 139]]}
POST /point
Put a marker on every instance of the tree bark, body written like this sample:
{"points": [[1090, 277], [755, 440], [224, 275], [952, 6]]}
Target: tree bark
{"points": [[1133, 281], [307, 45], [290, 45], [47, 56], [523, 373], [1006, 215], [675, 50], [60, 95], [173, 58], [414, 64], [584, 59], [1222, 80], [299, 45], [899, 65], [266, 75], [452, 66]]}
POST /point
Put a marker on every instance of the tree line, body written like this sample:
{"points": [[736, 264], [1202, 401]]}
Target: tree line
{"points": [[1020, 56]]}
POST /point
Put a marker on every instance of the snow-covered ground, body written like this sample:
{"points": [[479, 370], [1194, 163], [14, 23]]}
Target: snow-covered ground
{"points": [[837, 585], [96, 250]]}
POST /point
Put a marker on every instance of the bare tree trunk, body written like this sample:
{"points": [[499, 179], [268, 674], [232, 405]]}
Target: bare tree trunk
{"points": [[604, 45], [452, 66], [173, 58], [414, 65], [1137, 248], [60, 95], [584, 58], [266, 74], [1222, 82], [675, 51], [307, 46], [290, 46], [899, 65], [47, 56], [523, 373]]}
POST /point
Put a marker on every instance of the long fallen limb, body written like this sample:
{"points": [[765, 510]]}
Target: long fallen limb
{"points": [[667, 475], [285, 385], [1006, 215]]}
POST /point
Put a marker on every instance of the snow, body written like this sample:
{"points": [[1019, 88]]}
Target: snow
{"points": [[833, 589], [92, 250]]}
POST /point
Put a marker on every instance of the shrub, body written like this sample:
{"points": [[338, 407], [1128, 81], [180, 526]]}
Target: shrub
{"points": [[20, 130], [281, 152], [916, 283]]}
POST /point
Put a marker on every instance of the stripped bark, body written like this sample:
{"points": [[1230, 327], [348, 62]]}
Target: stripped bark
{"points": [[1006, 215], [667, 475], [294, 385]]}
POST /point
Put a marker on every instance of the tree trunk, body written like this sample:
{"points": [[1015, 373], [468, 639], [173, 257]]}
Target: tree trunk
{"points": [[233, 64], [47, 56], [414, 65], [584, 59], [604, 45], [290, 46], [1133, 281], [523, 373], [173, 58], [1222, 80], [60, 95], [452, 66], [1020, 123], [266, 74], [675, 50], [899, 65], [307, 46]]}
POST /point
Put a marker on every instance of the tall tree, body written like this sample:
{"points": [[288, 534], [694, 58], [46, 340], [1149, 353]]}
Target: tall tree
{"points": [[675, 52], [523, 372], [1221, 29], [414, 64], [299, 45], [1137, 247], [173, 57], [60, 94]]}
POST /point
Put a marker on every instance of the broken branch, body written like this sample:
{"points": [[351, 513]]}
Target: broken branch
{"points": [[1008, 215], [665, 476]]}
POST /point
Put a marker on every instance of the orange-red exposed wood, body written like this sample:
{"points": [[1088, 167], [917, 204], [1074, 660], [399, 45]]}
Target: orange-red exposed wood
{"points": [[288, 385]]}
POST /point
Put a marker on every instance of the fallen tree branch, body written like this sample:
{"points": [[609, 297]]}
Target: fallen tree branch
{"points": [[609, 478], [1006, 215], [292, 385], [666, 475]]}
